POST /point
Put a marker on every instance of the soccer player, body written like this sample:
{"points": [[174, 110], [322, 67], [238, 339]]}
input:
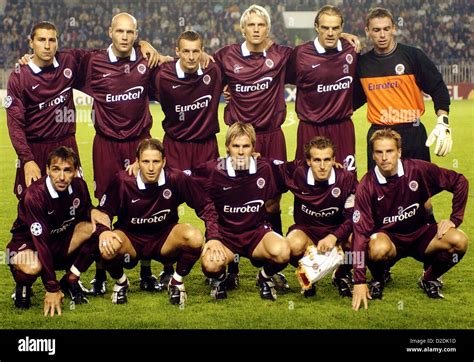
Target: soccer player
{"points": [[323, 71], [392, 78], [189, 97], [323, 206], [239, 186], [54, 231], [255, 74], [390, 221], [40, 109], [147, 225], [119, 81]]}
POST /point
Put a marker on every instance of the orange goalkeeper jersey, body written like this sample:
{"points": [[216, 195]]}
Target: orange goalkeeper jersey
{"points": [[392, 85]]}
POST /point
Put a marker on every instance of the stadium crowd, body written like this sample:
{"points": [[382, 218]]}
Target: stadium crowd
{"points": [[440, 29]]}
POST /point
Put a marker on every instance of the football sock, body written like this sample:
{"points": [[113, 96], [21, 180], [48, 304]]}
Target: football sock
{"points": [[115, 271], [22, 278], [233, 267], [100, 271], [177, 279], [145, 268], [377, 269], [87, 254], [443, 261], [343, 270], [122, 280], [275, 220], [186, 261], [168, 268]]}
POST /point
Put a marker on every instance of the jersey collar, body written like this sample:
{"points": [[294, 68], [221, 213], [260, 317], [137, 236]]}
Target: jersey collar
{"points": [[180, 72], [246, 51], [231, 171], [161, 180], [113, 58], [54, 194], [381, 178], [311, 181], [320, 49], [37, 69]]}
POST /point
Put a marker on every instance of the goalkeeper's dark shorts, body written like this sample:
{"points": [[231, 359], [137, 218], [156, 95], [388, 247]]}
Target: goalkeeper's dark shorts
{"points": [[413, 141]]}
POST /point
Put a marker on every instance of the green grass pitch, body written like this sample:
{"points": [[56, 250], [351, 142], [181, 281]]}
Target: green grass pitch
{"points": [[404, 305]]}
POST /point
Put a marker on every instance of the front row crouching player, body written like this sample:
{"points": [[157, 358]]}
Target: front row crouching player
{"points": [[147, 225], [54, 231], [239, 186], [391, 223], [323, 206]]}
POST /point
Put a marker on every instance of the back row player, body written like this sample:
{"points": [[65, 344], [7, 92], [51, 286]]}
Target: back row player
{"points": [[41, 113]]}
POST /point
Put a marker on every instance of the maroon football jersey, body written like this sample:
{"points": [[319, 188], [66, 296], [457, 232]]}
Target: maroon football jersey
{"points": [[324, 79], [189, 101], [239, 196], [149, 208], [48, 216], [39, 102], [326, 205], [120, 88], [256, 83], [396, 204]]}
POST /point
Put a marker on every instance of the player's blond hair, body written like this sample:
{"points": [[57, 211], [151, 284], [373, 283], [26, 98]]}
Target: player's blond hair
{"points": [[386, 133], [239, 129], [257, 10]]}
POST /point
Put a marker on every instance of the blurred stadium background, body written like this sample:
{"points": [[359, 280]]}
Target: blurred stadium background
{"points": [[440, 28]]}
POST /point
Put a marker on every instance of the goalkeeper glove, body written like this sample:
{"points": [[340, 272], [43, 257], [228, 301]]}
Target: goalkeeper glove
{"points": [[442, 135]]}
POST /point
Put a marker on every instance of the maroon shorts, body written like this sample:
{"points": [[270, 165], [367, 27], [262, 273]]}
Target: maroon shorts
{"points": [[110, 157], [313, 232], [340, 133], [271, 144], [58, 246], [41, 152], [188, 155], [413, 244], [149, 246], [244, 243]]}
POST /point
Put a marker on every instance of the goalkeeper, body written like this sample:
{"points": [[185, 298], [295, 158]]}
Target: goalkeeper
{"points": [[392, 77], [324, 201]]}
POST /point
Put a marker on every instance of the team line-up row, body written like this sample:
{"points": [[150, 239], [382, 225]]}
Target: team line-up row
{"points": [[332, 80]]}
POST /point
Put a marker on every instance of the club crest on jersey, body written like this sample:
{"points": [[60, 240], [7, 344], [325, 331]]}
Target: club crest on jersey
{"points": [[356, 216], [206, 79], [400, 69], [36, 229], [336, 192], [413, 185], [269, 63], [76, 203], [237, 68], [349, 58], [141, 68], [19, 189], [167, 193], [7, 102], [102, 200], [261, 183], [67, 73]]}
